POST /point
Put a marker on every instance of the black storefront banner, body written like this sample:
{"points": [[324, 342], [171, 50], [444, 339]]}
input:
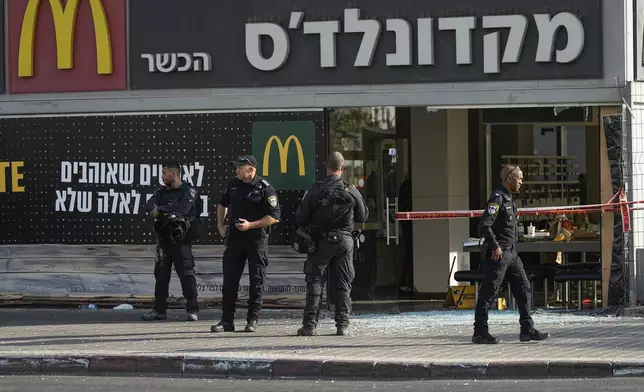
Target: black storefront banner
{"points": [[85, 180], [248, 43]]}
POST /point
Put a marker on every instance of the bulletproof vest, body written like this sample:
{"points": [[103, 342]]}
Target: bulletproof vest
{"points": [[333, 208]]}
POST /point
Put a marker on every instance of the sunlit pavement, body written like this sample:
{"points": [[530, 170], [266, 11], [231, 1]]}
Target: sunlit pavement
{"points": [[424, 344]]}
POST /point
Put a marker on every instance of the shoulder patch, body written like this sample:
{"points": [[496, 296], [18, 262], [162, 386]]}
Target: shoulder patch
{"points": [[492, 208], [266, 183], [272, 200]]}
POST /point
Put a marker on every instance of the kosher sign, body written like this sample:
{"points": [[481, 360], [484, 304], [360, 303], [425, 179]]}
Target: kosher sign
{"points": [[269, 43], [85, 180]]}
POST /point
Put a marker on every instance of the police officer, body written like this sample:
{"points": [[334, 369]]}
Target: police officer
{"points": [[175, 206], [499, 228], [329, 210], [250, 203]]}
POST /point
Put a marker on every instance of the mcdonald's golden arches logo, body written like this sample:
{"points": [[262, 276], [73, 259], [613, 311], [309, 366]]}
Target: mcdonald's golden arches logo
{"points": [[96, 26], [286, 152], [64, 23], [283, 151]]}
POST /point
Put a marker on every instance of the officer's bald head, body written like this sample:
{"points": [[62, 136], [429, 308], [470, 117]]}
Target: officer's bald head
{"points": [[507, 170], [512, 177], [335, 163]]}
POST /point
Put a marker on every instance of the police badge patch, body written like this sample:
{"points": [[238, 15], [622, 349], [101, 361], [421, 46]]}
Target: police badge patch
{"points": [[492, 208], [272, 200], [193, 192]]}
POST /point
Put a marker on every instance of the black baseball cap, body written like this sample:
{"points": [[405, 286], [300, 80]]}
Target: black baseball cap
{"points": [[244, 160]]}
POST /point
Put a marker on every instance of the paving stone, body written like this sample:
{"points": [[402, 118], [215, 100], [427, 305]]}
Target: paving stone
{"points": [[581, 369], [628, 369], [160, 365], [19, 366], [513, 369], [463, 371], [297, 368], [398, 370], [205, 367], [112, 365], [250, 369], [64, 365], [347, 369]]}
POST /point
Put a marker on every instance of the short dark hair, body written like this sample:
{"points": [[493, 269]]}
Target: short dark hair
{"points": [[335, 161], [173, 165]]}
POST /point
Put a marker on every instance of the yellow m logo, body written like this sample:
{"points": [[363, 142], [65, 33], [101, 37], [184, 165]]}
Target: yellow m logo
{"points": [[64, 23], [283, 151]]}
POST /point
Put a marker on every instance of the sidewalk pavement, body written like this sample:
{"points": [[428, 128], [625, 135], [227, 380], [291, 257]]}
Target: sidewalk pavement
{"points": [[425, 345]]}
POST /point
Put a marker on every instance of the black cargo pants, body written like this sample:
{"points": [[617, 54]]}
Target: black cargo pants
{"points": [[235, 256], [337, 257], [179, 255], [509, 266]]}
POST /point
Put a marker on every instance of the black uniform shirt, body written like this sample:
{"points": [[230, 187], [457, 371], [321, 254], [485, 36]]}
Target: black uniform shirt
{"points": [[179, 200], [499, 224], [304, 214], [251, 201]]}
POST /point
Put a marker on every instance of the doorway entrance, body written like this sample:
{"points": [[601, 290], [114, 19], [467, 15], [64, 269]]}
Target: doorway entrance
{"points": [[376, 149]]}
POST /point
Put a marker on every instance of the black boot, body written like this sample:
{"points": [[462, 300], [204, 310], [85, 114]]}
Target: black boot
{"points": [[251, 326], [483, 338], [533, 335], [154, 316], [307, 331], [223, 326], [342, 331]]}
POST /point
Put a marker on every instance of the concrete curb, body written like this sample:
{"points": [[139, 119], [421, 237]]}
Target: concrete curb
{"points": [[178, 366]]}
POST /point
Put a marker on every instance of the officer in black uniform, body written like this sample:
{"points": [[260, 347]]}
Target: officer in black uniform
{"points": [[175, 206], [329, 210], [499, 228], [251, 206]]}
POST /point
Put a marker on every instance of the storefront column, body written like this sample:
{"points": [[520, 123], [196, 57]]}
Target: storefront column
{"points": [[439, 152]]}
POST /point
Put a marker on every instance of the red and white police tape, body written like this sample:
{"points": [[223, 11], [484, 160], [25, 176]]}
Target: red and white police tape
{"points": [[623, 206]]}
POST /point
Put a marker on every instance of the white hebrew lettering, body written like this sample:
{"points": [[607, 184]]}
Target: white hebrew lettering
{"points": [[112, 171], [126, 173], [426, 41], [115, 200], [518, 25], [146, 175], [65, 172], [188, 172], [83, 170], [72, 202], [462, 27], [151, 64], [166, 62], [137, 201], [124, 205], [371, 33], [327, 31], [103, 173], [202, 62], [94, 172], [187, 62], [200, 169], [402, 30], [61, 197], [281, 45], [103, 202], [548, 29], [204, 200], [84, 201]]}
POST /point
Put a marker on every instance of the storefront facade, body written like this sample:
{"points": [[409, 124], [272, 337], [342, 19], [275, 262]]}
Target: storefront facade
{"points": [[424, 103]]}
